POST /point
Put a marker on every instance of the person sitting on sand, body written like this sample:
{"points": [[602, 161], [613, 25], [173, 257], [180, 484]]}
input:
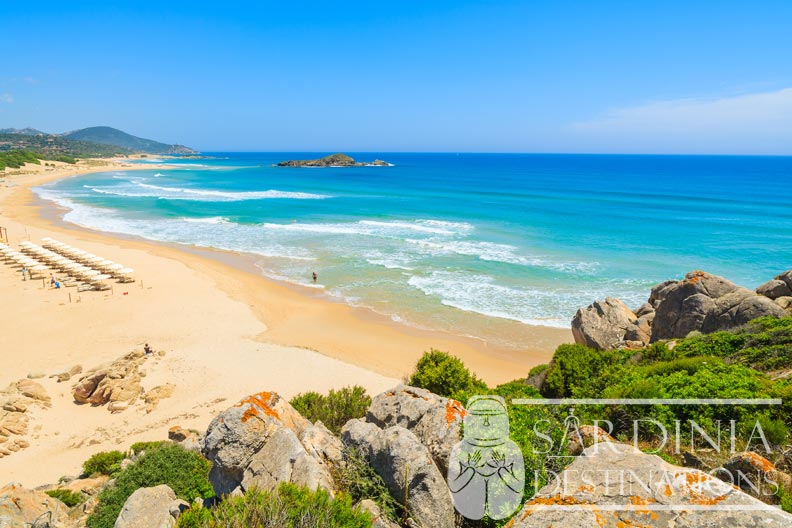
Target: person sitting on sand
{"points": [[147, 349]]}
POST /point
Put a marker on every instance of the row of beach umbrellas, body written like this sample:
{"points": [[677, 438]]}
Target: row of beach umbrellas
{"points": [[75, 258], [57, 256]]}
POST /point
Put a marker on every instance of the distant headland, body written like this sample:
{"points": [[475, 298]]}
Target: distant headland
{"points": [[334, 160]]}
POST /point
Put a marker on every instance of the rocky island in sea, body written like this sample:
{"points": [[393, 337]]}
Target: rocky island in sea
{"points": [[334, 160]]}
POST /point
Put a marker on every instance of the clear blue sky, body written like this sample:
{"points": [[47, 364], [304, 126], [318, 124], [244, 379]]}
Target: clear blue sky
{"points": [[495, 76]]}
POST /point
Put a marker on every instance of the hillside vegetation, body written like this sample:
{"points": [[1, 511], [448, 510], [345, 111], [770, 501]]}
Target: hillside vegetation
{"points": [[49, 146], [16, 158], [111, 136]]}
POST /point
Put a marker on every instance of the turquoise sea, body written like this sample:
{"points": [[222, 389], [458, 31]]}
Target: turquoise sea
{"points": [[467, 242]]}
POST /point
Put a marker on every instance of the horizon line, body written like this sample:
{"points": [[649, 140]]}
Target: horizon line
{"points": [[460, 152]]}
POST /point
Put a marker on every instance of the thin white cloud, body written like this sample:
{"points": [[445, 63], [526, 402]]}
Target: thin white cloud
{"points": [[748, 123], [6, 98]]}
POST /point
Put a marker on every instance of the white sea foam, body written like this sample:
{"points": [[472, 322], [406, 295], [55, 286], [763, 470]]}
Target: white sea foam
{"points": [[213, 195], [541, 305], [214, 220], [396, 229], [494, 252], [481, 294], [423, 226], [214, 232], [138, 189]]}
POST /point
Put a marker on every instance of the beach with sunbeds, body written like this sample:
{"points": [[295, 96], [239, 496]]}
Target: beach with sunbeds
{"points": [[223, 331]]}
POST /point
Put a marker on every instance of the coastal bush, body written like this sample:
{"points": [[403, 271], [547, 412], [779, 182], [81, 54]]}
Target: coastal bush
{"points": [[538, 369], [288, 506], [359, 480], [67, 497], [144, 447], [186, 472], [104, 463], [15, 159], [720, 344], [575, 367], [445, 375], [335, 409], [686, 378]]}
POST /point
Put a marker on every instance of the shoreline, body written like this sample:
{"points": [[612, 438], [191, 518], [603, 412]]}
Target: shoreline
{"points": [[474, 351], [227, 332]]}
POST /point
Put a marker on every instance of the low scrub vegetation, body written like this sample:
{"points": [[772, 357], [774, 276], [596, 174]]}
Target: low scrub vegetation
{"points": [[288, 506], [186, 473], [104, 463], [67, 497], [335, 409]]}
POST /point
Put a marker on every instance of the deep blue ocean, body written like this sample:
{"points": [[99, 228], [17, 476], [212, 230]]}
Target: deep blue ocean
{"points": [[461, 242]]}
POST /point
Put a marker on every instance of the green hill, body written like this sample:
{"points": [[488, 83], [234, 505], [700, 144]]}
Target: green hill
{"points": [[51, 146], [26, 131], [111, 136]]}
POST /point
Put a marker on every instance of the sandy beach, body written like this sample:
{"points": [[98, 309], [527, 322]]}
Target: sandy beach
{"points": [[226, 332]]}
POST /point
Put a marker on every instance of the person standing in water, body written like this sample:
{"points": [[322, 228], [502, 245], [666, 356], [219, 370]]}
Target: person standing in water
{"points": [[315, 276]]}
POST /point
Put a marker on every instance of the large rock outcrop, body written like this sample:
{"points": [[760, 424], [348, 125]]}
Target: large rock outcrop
{"points": [[707, 303], [700, 302], [155, 507], [21, 507], [608, 324], [435, 420], [407, 468], [780, 286], [259, 442], [114, 383], [16, 402], [755, 475], [615, 485]]}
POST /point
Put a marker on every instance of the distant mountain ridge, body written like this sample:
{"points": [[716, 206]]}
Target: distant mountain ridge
{"points": [[112, 136], [26, 131]]}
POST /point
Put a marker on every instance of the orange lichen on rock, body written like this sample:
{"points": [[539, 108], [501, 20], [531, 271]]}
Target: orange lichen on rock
{"points": [[693, 479], [758, 461], [258, 404], [555, 500], [694, 276], [636, 500], [454, 409], [626, 523]]}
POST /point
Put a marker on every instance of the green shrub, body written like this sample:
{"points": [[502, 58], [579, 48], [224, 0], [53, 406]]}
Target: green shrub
{"points": [[287, 507], [67, 497], [538, 369], [721, 344], [359, 480], [335, 409], [104, 463], [140, 447], [186, 473], [445, 375], [659, 352], [774, 429], [784, 498], [575, 367]]}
